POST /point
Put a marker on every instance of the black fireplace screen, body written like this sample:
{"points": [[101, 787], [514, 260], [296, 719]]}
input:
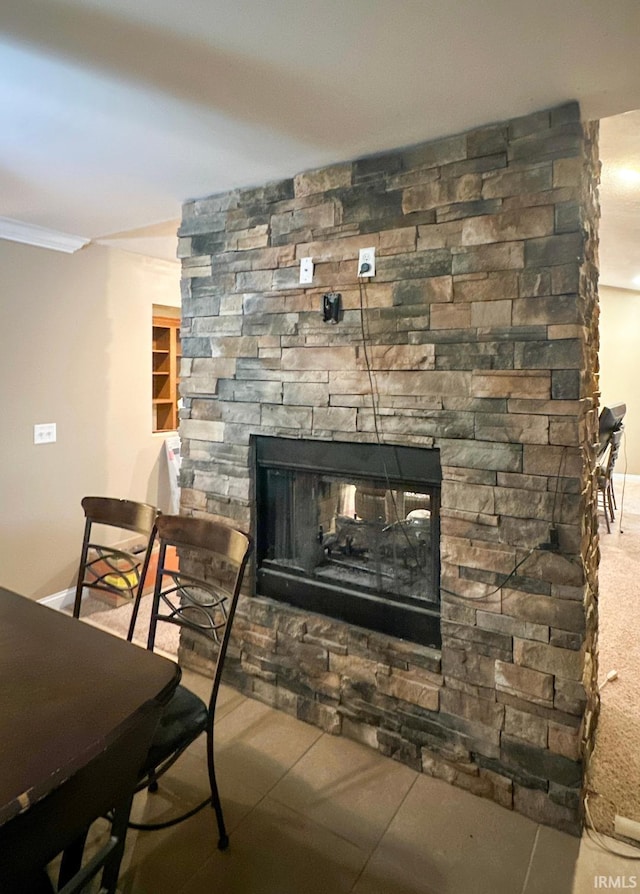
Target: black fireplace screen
{"points": [[351, 531]]}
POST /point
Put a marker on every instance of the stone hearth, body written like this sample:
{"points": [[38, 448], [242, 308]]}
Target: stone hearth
{"points": [[477, 336]]}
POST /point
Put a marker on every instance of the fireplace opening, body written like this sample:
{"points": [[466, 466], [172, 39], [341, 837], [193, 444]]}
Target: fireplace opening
{"points": [[351, 531]]}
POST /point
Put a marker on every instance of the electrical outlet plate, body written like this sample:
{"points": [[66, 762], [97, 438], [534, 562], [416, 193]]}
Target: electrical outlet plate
{"points": [[306, 270], [44, 433], [367, 262]]}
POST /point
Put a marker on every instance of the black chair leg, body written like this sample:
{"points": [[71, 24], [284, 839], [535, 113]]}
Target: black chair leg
{"points": [[610, 501], [71, 860], [602, 494], [223, 839], [109, 881]]}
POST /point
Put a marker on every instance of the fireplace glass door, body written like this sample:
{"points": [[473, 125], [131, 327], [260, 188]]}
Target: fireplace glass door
{"points": [[351, 545]]}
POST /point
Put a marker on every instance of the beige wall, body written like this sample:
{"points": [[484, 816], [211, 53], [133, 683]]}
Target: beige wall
{"points": [[620, 365], [75, 349]]}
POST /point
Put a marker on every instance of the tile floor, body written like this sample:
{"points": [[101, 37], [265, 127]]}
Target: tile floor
{"points": [[308, 812]]}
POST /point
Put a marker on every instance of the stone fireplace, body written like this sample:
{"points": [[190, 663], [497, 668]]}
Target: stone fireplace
{"points": [[473, 350]]}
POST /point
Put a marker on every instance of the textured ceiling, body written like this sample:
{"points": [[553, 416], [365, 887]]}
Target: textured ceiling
{"points": [[113, 113]]}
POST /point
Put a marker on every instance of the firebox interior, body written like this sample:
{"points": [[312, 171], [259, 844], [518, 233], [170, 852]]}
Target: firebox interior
{"points": [[351, 531]]}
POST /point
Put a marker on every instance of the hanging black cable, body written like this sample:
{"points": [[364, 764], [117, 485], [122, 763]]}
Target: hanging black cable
{"points": [[375, 403], [552, 545]]}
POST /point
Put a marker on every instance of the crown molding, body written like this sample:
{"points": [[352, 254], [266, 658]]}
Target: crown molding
{"points": [[30, 234]]}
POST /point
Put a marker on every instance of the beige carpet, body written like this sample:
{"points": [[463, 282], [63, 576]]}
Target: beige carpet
{"points": [[117, 620], [615, 765]]}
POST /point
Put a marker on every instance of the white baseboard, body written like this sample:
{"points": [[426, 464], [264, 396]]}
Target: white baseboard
{"points": [[59, 601]]}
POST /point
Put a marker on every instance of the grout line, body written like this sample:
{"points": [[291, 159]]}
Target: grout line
{"points": [[284, 774], [296, 762], [217, 720], [249, 813], [384, 831], [531, 856]]}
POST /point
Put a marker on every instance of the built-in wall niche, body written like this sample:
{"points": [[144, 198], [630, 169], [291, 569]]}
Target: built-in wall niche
{"points": [[351, 531], [165, 374]]}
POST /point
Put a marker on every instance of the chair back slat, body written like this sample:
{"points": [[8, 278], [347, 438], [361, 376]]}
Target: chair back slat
{"points": [[116, 513], [108, 568], [614, 449], [185, 532], [203, 592]]}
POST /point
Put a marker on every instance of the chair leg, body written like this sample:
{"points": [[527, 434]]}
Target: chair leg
{"points": [[72, 860], [613, 494], [81, 570], [610, 502], [119, 827], [77, 602], [223, 839], [75, 878], [136, 608], [603, 494], [150, 783]]}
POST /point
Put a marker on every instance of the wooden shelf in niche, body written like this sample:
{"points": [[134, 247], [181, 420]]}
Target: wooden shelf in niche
{"points": [[165, 373]]}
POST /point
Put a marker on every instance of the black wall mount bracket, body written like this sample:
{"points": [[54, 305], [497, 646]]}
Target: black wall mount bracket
{"points": [[331, 307]]}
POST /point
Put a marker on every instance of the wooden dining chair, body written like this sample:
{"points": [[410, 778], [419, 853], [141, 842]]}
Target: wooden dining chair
{"points": [[201, 597], [107, 568]]}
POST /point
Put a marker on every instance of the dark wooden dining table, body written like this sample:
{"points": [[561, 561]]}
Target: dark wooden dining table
{"points": [[78, 709]]}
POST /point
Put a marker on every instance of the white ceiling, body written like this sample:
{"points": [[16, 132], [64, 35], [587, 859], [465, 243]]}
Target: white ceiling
{"points": [[114, 112]]}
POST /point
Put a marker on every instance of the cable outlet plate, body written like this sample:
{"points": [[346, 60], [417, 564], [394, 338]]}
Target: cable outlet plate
{"points": [[367, 262], [306, 271]]}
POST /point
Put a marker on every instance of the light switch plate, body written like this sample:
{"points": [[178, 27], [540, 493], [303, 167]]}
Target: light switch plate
{"points": [[44, 433]]}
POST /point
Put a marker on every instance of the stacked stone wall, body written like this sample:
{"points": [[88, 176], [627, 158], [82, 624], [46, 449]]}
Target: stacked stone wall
{"points": [[480, 329]]}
